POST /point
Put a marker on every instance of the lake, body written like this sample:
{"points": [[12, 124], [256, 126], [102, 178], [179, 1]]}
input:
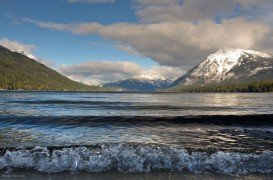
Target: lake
{"points": [[197, 133]]}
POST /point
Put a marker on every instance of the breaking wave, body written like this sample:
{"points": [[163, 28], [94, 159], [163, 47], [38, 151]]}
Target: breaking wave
{"points": [[134, 158]]}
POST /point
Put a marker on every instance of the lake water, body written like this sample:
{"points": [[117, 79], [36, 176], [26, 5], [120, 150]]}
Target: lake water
{"points": [[214, 133]]}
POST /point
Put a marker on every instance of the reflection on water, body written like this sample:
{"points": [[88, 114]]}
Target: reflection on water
{"points": [[116, 104], [174, 120]]}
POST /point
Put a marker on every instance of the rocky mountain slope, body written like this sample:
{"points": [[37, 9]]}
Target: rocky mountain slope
{"points": [[229, 65]]}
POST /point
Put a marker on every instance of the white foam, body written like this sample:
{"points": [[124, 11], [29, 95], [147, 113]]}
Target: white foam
{"points": [[140, 158]]}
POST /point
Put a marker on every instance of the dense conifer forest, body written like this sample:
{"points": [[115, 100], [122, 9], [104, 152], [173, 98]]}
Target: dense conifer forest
{"points": [[18, 72], [259, 86]]}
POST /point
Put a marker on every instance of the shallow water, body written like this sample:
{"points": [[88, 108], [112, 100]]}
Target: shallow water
{"points": [[129, 132]]}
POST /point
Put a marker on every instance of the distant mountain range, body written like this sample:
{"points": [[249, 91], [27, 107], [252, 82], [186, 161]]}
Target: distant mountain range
{"points": [[143, 82], [18, 71], [227, 70], [228, 67]]}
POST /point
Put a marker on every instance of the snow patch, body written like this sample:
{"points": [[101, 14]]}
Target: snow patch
{"points": [[255, 71], [261, 54], [149, 76]]}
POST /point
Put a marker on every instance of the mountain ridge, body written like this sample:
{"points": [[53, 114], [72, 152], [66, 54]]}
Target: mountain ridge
{"points": [[229, 64]]}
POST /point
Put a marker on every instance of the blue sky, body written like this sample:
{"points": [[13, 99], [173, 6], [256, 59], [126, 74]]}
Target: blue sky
{"points": [[65, 48], [81, 38]]}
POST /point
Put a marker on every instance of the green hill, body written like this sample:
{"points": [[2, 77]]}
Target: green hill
{"points": [[18, 72]]}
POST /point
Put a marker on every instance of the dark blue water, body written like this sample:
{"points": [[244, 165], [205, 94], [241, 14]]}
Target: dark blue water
{"points": [[96, 132]]}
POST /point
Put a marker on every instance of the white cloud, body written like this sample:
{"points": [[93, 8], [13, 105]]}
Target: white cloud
{"points": [[94, 73], [91, 1], [100, 72], [129, 49], [48, 25], [179, 33], [179, 43], [17, 46]]}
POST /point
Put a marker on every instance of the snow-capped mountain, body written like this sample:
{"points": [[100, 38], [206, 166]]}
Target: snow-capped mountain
{"points": [[230, 64], [143, 82], [150, 77]]}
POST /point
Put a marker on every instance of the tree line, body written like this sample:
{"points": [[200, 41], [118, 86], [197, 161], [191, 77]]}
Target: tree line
{"points": [[259, 86]]}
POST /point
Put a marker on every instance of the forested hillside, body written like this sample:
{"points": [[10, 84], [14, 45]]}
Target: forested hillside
{"points": [[18, 72], [259, 86]]}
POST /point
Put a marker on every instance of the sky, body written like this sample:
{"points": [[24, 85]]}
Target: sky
{"points": [[99, 41]]}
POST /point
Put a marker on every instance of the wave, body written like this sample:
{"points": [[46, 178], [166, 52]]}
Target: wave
{"points": [[93, 121], [133, 158], [123, 105]]}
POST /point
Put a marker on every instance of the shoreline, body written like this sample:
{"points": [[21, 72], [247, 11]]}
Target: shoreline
{"points": [[129, 92]]}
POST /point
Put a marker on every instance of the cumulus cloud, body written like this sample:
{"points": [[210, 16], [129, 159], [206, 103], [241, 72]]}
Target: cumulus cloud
{"points": [[179, 43], [26, 49], [94, 73], [91, 1], [179, 33], [100, 72]]}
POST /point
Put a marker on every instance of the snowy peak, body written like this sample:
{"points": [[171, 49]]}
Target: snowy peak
{"points": [[257, 53], [222, 61], [234, 54], [149, 76], [226, 53], [228, 58], [227, 63]]}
